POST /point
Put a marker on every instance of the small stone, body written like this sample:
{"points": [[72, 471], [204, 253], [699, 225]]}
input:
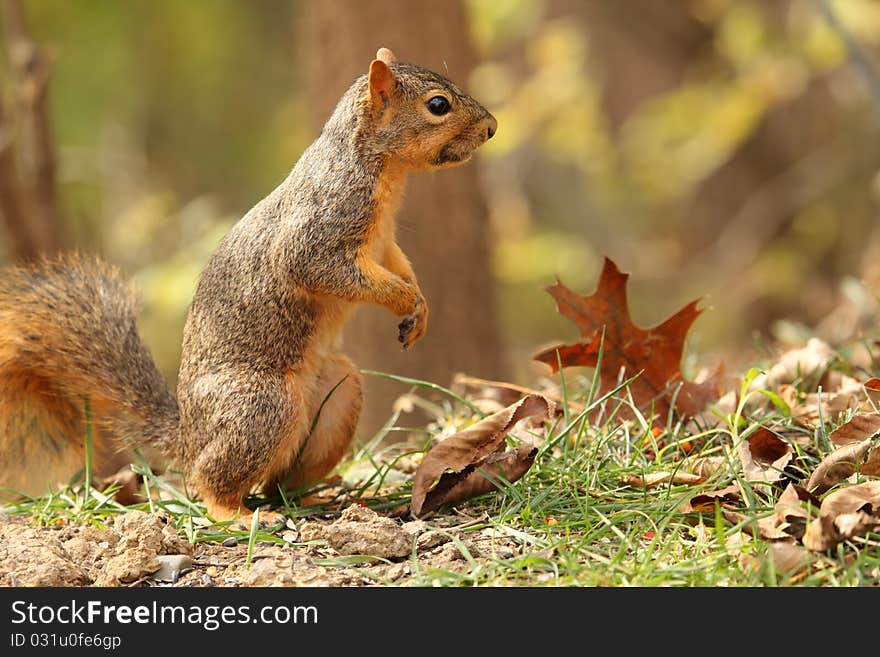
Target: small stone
{"points": [[431, 539], [396, 571], [451, 552], [311, 531], [232, 541], [212, 571], [171, 565], [362, 531], [414, 527], [426, 537], [274, 570], [448, 552], [290, 535]]}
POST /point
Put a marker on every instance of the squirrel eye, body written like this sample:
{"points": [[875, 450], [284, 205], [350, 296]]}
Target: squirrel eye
{"points": [[438, 106]]}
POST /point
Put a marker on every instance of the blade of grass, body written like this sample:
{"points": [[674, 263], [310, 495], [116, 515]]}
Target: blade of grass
{"points": [[88, 448], [252, 537]]}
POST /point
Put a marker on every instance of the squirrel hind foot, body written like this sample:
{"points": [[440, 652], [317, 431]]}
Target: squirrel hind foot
{"points": [[241, 516]]}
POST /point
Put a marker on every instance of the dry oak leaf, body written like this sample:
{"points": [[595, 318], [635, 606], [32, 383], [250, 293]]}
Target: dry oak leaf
{"points": [[654, 354], [837, 466], [860, 427], [764, 456], [705, 502], [790, 558], [812, 359], [871, 467], [789, 517], [704, 466], [872, 389], [814, 409], [844, 514], [452, 470]]}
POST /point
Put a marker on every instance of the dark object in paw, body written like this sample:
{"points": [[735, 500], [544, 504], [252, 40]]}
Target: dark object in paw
{"points": [[405, 328]]}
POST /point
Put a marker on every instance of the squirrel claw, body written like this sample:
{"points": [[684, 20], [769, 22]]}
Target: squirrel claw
{"points": [[412, 327], [404, 330]]}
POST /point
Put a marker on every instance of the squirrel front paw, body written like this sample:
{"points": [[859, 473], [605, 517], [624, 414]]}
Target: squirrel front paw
{"points": [[414, 325]]}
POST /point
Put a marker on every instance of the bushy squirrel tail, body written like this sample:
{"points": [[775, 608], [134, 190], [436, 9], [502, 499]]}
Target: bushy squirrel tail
{"points": [[68, 340]]}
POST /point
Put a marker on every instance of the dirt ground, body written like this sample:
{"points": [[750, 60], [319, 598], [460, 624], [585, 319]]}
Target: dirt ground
{"points": [[143, 549]]}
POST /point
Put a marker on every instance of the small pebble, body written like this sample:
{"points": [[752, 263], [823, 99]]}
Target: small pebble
{"points": [[212, 571], [230, 542], [171, 566]]}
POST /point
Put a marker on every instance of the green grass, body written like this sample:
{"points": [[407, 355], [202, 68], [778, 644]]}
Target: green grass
{"points": [[571, 520]]}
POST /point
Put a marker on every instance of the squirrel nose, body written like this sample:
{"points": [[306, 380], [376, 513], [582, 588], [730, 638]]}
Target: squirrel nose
{"points": [[492, 127]]}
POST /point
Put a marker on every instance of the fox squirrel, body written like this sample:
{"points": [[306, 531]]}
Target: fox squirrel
{"points": [[260, 346]]}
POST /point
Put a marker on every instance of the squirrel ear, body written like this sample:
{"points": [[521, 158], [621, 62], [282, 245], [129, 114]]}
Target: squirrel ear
{"points": [[386, 55], [382, 83]]}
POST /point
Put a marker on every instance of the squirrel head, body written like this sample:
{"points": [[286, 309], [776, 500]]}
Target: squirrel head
{"points": [[419, 117]]}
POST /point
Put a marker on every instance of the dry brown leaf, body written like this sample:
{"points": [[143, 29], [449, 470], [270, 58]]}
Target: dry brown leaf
{"points": [[509, 465], [446, 468], [854, 524], [655, 478], [764, 456], [871, 467], [812, 410], [796, 364], [654, 354], [789, 557], [705, 502], [860, 427], [738, 518], [872, 389], [788, 519], [704, 466], [821, 534], [714, 414], [865, 496], [766, 447], [739, 546], [844, 514], [837, 466]]}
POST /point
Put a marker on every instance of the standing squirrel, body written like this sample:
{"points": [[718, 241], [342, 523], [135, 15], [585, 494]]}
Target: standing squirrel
{"points": [[264, 395]]}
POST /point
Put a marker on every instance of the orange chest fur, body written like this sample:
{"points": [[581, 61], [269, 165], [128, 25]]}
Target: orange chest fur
{"points": [[387, 197]]}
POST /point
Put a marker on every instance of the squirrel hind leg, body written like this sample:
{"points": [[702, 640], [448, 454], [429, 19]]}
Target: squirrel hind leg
{"points": [[336, 403], [249, 424]]}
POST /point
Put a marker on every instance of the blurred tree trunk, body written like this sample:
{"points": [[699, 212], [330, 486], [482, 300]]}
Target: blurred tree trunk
{"points": [[28, 207], [443, 223]]}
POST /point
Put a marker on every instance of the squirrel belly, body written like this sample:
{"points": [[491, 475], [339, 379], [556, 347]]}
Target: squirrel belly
{"points": [[265, 397]]}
